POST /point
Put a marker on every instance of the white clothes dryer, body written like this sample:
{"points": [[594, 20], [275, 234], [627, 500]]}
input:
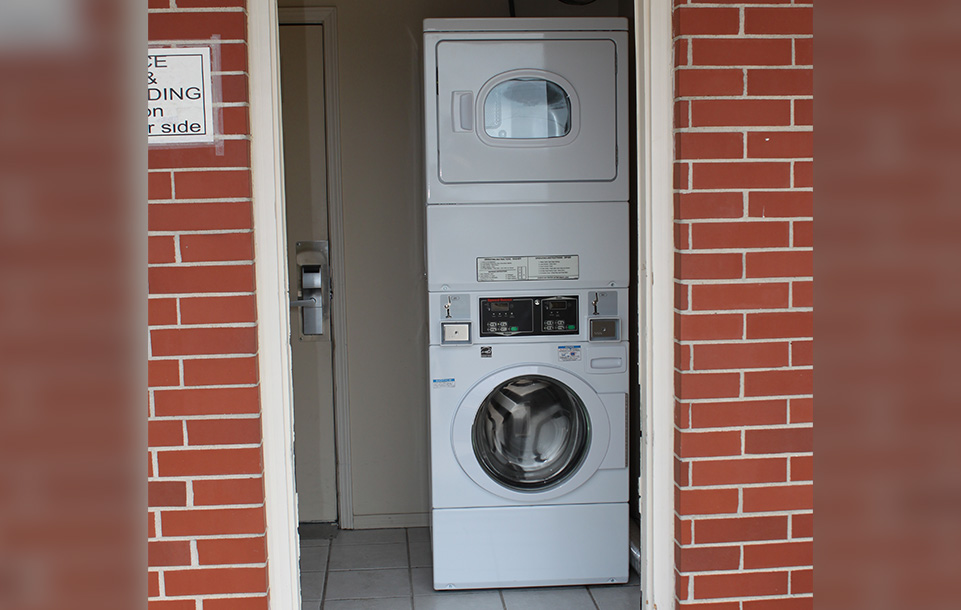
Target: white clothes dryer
{"points": [[528, 415], [520, 110]]}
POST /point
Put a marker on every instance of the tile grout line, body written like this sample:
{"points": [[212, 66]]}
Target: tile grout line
{"points": [[590, 594], [323, 596], [410, 566]]}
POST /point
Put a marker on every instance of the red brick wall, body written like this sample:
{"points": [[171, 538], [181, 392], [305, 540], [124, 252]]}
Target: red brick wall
{"points": [[744, 322], [206, 499]]}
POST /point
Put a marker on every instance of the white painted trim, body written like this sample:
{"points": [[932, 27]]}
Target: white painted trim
{"points": [[327, 17], [655, 117], [273, 328]]}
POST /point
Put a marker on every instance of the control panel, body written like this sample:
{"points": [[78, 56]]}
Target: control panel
{"points": [[531, 316]]}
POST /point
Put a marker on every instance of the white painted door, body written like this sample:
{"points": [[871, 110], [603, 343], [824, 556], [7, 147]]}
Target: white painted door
{"points": [[305, 176]]}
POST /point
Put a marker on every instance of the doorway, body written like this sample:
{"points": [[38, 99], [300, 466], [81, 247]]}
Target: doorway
{"points": [[654, 61], [314, 245]]}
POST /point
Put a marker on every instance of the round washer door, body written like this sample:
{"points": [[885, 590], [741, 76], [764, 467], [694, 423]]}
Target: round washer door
{"points": [[530, 433]]}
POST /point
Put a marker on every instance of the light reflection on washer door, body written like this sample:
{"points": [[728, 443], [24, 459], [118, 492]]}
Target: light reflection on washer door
{"points": [[531, 433]]}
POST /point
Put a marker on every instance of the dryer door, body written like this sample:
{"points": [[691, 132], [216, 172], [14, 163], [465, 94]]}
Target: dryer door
{"points": [[526, 111], [531, 433]]}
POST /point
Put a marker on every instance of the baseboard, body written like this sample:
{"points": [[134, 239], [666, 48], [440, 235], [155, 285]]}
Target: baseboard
{"points": [[370, 522]]}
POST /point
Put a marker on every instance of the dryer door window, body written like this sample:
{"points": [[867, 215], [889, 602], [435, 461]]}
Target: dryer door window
{"points": [[527, 109], [531, 433]]}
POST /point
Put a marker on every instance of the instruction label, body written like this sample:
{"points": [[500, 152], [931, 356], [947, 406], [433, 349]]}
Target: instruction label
{"points": [[447, 382], [180, 107], [524, 268], [568, 353]]}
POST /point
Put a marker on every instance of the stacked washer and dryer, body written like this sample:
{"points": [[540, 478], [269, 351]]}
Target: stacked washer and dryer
{"points": [[528, 274]]}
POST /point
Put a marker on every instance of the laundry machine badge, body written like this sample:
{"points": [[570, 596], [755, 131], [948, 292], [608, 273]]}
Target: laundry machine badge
{"points": [[568, 353], [447, 382], [487, 351]]}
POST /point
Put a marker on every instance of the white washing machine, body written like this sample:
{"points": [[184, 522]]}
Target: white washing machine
{"points": [[522, 110], [528, 416]]}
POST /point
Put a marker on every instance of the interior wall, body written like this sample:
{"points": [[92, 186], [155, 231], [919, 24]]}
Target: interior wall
{"points": [[379, 46]]}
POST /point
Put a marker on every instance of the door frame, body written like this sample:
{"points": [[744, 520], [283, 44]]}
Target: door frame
{"points": [[654, 65], [273, 327], [654, 54]]}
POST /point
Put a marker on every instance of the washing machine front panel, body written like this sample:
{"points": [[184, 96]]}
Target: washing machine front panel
{"points": [[537, 115], [530, 433], [527, 546], [462, 378]]}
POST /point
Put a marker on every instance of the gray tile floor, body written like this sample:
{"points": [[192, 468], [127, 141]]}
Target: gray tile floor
{"points": [[390, 569]]}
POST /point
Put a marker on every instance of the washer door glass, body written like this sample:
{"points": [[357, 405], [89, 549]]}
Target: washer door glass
{"points": [[531, 433], [527, 108]]}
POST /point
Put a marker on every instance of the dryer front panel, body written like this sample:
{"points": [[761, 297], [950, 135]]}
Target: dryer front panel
{"points": [[526, 111], [521, 115]]}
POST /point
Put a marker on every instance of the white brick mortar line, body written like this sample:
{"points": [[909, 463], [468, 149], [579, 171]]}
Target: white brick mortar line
{"points": [[218, 447], [216, 9], [208, 537], [203, 477], [710, 342], [744, 281], [215, 417], [730, 160], [737, 515], [206, 508], [188, 170], [161, 296], [238, 231], [747, 312], [209, 200], [193, 326], [213, 387], [805, 511], [751, 456], [188, 265], [159, 45], [751, 370]]}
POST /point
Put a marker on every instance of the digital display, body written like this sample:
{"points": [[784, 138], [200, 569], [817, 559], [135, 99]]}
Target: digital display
{"points": [[512, 316]]}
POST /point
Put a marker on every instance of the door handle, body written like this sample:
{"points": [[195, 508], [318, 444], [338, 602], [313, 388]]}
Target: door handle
{"points": [[462, 110], [314, 288], [312, 285]]}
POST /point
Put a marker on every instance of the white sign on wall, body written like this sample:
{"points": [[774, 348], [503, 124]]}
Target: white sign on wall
{"points": [[180, 106]]}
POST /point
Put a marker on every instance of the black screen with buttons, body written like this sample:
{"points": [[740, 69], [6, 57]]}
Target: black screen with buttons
{"points": [[509, 316]]}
